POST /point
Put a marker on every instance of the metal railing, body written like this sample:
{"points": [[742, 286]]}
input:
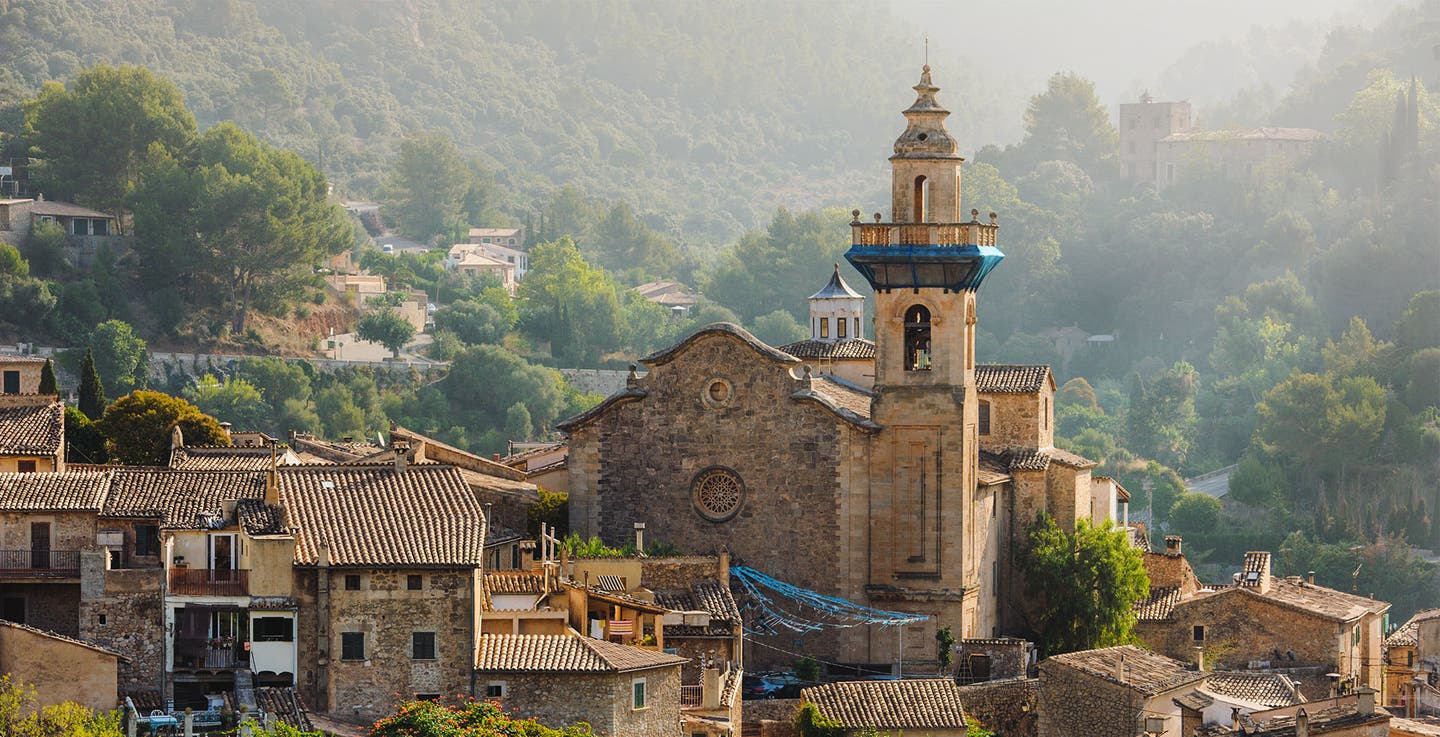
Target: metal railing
{"points": [[692, 695], [39, 562], [209, 582], [924, 234]]}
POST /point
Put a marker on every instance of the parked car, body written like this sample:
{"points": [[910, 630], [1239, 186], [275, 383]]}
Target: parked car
{"points": [[772, 686]]}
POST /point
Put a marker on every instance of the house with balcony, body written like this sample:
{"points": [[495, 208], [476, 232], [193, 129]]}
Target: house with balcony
{"points": [[45, 521]]}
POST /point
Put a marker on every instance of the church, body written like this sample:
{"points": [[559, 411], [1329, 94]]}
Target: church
{"points": [[892, 473]]}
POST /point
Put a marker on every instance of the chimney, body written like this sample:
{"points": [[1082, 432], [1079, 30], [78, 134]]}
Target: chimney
{"points": [[1255, 573], [1310, 577], [1235, 719], [1172, 545], [225, 428], [177, 438], [527, 556], [640, 537], [1302, 723], [722, 574], [1199, 658], [402, 455], [1366, 702], [1120, 668]]}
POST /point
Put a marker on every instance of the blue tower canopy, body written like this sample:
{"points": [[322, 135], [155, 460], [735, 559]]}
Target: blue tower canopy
{"points": [[955, 257]]}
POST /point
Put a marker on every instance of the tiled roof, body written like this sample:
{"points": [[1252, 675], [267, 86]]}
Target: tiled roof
{"points": [[66, 210], [836, 288], [910, 704], [424, 515], [32, 429], [564, 654], [21, 358], [1000, 378], [849, 402], [991, 469], [181, 499], [1273, 690], [1255, 568], [1145, 671], [852, 349], [1195, 700], [514, 582], [1159, 605], [1325, 602], [258, 518], [68, 491], [1039, 459], [228, 458], [1408, 634], [704, 595]]}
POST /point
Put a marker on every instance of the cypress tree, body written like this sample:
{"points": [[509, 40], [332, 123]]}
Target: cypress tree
{"points": [[92, 392], [47, 379]]}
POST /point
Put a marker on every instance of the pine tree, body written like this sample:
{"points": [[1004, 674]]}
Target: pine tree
{"points": [[47, 379], [92, 392]]}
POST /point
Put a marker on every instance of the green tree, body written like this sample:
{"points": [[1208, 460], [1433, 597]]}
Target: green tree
{"points": [[233, 400], [571, 304], [759, 273], [90, 138], [137, 427], [119, 356], [24, 300], [486, 381], [277, 379], [84, 443], [45, 248], [809, 722], [778, 328], [47, 379], [625, 245], [19, 716], [237, 223], [388, 328], [945, 647], [1081, 585], [1195, 514], [1419, 325], [473, 322], [427, 189], [92, 391], [1067, 121], [553, 510]]}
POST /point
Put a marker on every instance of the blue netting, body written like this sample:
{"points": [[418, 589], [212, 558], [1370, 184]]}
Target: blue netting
{"points": [[773, 605]]}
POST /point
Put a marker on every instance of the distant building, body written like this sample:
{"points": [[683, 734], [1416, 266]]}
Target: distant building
{"points": [[668, 293], [1142, 126], [513, 256], [32, 433], [475, 262], [512, 237], [87, 229], [1412, 665]]}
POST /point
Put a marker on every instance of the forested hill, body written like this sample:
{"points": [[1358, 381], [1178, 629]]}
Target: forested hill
{"points": [[712, 113]]}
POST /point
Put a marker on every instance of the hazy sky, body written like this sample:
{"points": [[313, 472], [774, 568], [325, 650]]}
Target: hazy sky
{"points": [[1123, 45]]}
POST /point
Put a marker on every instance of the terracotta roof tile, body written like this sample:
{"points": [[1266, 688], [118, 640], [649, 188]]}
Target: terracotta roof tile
{"points": [[1159, 605], [849, 402], [564, 654], [1039, 459], [1326, 602], [704, 595], [841, 350], [1273, 690], [1146, 672], [514, 582], [32, 429], [68, 491], [181, 499], [258, 518], [425, 515], [910, 704], [991, 469], [1408, 634], [228, 458], [998, 378]]}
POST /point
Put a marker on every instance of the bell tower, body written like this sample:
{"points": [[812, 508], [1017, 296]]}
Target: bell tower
{"points": [[925, 264]]}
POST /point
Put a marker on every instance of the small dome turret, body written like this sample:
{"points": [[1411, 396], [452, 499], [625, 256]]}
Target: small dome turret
{"points": [[836, 310]]}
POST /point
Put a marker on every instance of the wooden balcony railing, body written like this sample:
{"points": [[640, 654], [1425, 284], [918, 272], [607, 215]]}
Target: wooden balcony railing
{"points": [[209, 582], [925, 234], [61, 563]]}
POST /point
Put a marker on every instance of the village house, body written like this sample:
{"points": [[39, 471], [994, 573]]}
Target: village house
{"points": [[32, 433], [482, 264], [1118, 692], [911, 489], [1412, 666], [59, 668], [924, 706], [1349, 716], [509, 254], [508, 492], [45, 521], [1266, 622], [511, 237], [567, 678], [543, 464], [669, 294], [86, 230], [20, 374]]}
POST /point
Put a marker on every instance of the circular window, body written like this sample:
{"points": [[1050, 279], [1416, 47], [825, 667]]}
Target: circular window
{"points": [[718, 493], [718, 393]]}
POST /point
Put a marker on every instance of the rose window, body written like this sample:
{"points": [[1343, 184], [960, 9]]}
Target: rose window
{"points": [[718, 494]]}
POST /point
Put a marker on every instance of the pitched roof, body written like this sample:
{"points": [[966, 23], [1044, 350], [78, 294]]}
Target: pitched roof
{"points": [[21, 358], [930, 703], [257, 518], [1003, 378], [425, 515], [514, 582], [991, 469], [629, 394], [841, 350], [1273, 690], [1408, 634], [1144, 671], [719, 328], [1039, 459], [32, 428], [849, 402], [67, 491], [1319, 600], [564, 654], [66, 210], [1159, 605], [836, 288], [704, 595], [226, 458], [181, 499]]}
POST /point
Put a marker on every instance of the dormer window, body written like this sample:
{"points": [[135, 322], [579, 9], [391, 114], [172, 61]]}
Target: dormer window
{"points": [[917, 339]]}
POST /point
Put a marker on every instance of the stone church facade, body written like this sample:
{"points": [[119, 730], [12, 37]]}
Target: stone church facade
{"points": [[894, 473]]}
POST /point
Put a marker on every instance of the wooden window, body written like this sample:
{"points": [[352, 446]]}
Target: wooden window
{"points": [[352, 645], [984, 417], [147, 539], [495, 690], [422, 645], [414, 582], [12, 382], [25, 466], [637, 693], [352, 582], [1198, 633], [840, 328], [80, 226]]}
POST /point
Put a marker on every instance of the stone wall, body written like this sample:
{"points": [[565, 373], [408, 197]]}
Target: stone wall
{"points": [[1073, 703], [68, 530], [1240, 628], [60, 670], [1168, 569], [129, 603], [48, 606], [1004, 707], [388, 614], [774, 717], [602, 700], [1015, 421]]}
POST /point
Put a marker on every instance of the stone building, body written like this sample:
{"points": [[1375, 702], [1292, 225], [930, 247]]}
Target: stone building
{"points": [[565, 679], [1234, 153], [903, 492], [929, 706], [1412, 666], [32, 433], [1141, 127], [59, 668], [45, 521], [1265, 621], [20, 374], [1117, 692]]}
